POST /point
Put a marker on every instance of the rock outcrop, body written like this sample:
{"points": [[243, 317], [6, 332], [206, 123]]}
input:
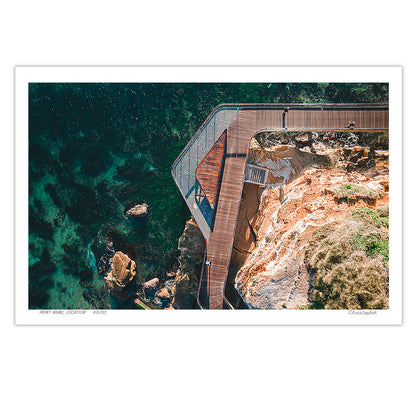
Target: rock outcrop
{"points": [[284, 162], [157, 294], [123, 270], [138, 211], [150, 287], [275, 224], [192, 247]]}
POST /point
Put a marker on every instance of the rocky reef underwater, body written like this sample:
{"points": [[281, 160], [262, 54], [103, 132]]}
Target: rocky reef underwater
{"points": [[104, 213]]}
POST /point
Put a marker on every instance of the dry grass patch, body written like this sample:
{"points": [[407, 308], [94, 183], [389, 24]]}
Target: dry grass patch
{"points": [[351, 192], [349, 263]]}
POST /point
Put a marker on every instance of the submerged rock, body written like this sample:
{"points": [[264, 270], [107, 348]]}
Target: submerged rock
{"points": [[104, 263], [43, 267], [38, 296], [84, 207], [123, 270], [37, 224], [97, 298]]}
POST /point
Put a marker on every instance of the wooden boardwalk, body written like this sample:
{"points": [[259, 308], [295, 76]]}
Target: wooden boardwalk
{"points": [[250, 120]]}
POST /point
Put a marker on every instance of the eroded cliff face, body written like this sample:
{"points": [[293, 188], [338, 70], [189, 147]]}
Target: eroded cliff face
{"points": [[192, 247], [275, 223]]}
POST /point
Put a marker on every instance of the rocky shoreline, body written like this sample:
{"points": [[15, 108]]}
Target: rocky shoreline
{"points": [[307, 173], [314, 180]]}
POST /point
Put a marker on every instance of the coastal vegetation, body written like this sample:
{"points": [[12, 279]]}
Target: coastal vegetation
{"points": [[349, 262]]}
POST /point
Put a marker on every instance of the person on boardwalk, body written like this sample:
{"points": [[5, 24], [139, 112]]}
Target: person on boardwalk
{"points": [[351, 124], [285, 111]]}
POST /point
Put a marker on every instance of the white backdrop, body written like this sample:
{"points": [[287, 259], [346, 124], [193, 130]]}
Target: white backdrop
{"points": [[205, 370]]}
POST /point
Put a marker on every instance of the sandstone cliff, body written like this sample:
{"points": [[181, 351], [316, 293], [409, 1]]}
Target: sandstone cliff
{"points": [[192, 247], [308, 188]]}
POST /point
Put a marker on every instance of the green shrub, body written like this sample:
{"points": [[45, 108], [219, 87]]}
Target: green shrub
{"points": [[370, 216], [375, 245]]}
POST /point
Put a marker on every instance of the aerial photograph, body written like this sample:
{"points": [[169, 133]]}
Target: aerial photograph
{"points": [[262, 196]]}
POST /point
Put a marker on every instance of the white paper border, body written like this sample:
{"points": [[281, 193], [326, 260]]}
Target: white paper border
{"points": [[25, 75]]}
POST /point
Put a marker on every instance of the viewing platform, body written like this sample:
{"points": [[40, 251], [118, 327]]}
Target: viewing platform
{"points": [[212, 168]]}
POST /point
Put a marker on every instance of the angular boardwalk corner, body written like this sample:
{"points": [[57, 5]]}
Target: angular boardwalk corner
{"points": [[210, 170]]}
